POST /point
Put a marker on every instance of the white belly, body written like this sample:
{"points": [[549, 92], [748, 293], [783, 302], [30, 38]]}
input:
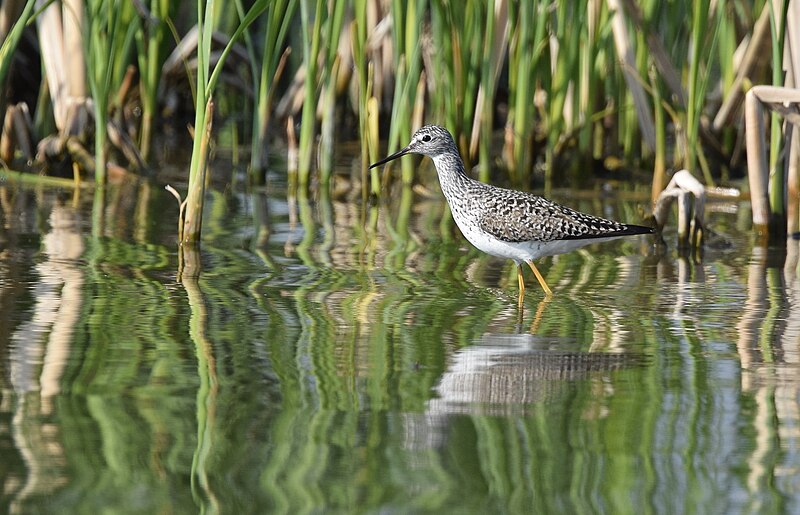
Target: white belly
{"points": [[525, 250]]}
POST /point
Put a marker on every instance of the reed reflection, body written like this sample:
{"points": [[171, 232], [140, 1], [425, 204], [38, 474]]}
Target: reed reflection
{"points": [[380, 363], [39, 349], [769, 334]]}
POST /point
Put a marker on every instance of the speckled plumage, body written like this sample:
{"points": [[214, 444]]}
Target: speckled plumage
{"points": [[508, 223], [516, 216]]}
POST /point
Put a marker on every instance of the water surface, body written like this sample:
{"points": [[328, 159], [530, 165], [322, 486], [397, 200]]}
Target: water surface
{"points": [[335, 357]]}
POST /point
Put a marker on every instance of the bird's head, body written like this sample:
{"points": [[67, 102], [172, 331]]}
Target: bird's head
{"points": [[430, 140]]}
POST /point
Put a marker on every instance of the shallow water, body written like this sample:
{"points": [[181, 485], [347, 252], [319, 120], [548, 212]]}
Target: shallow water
{"points": [[335, 358]]}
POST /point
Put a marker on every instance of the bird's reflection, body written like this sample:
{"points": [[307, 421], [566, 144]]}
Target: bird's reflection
{"points": [[509, 375], [505, 370]]}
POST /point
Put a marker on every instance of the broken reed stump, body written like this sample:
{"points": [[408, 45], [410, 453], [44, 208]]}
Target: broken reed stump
{"points": [[683, 187], [768, 188]]}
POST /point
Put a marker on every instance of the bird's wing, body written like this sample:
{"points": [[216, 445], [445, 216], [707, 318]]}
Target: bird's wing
{"points": [[515, 216]]}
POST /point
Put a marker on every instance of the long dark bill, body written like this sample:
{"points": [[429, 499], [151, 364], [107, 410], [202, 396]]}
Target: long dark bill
{"points": [[397, 154]]}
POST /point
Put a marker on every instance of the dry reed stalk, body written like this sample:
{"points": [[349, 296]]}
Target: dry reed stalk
{"points": [[659, 166], [373, 138], [291, 170], [292, 99], [373, 113], [792, 66], [791, 52], [793, 183], [23, 131], [121, 140], [74, 22], [7, 141], [259, 156], [659, 54], [359, 28], [59, 27], [683, 186], [499, 47], [594, 10], [627, 57], [327, 105], [51, 44], [757, 168], [16, 133], [684, 219], [181, 207], [752, 56], [14, 14], [42, 180], [291, 144], [419, 103], [312, 40]]}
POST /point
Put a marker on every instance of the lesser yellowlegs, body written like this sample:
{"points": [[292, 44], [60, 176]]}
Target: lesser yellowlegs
{"points": [[508, 223]]}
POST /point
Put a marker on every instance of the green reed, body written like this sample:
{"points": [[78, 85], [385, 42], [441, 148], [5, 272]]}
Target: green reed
{"points": [[566, 31], [12, 39], [527, 44], [554, 80], [695, 102], [328, 79], [328, 127], [725, 59], [660, 165], [457, 60], [588, 78], [777, 190], [308, 121], [266, 72], [358, 43], [151, 46], [408, 20], [206, 83], [494, 39], [111, 30]]}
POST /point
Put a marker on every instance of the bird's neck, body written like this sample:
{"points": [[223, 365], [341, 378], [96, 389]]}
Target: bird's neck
{"points": [[451, 172]]}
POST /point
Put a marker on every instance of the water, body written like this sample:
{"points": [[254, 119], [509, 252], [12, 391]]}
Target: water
{"points": [[338, 359]]}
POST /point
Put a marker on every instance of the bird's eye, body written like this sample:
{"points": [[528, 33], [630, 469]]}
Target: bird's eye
{"points": [[426, 138]]}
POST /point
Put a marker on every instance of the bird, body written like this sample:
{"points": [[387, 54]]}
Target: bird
{"points": [[508, 223]]}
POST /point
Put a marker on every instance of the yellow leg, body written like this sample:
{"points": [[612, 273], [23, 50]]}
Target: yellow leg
{"points": [[537, 318], [546, 288], [521, 284]]}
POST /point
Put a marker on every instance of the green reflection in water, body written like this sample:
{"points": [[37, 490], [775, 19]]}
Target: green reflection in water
{"points": [[364, 362]]}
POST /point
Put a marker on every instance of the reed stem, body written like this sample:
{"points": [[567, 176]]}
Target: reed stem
{"points": [[308, 119]]}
